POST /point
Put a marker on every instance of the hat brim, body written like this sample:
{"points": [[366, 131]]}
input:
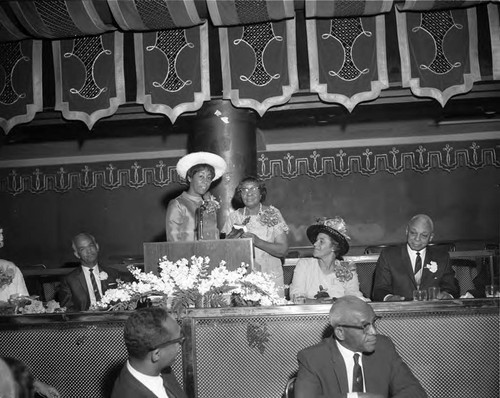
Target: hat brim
{"points": [[192, 159], [314, 230]]}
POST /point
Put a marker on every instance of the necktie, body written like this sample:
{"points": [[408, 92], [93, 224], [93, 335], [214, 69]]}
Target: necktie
{"points": [[94, 285], [357, 375], [418, 263]]}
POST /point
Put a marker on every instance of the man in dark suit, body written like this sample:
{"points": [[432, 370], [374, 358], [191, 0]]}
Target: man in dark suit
{"points": [[415, 266], [87, 284], [153, 339], [355, 361]]}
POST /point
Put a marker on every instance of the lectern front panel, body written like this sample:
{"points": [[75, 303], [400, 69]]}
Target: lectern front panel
{"points": [[232, 251]]}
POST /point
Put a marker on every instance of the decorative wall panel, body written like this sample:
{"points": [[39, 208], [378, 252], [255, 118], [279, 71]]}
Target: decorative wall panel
{"points": [[314, 164], [347, 59], [259, 65], [20, 82], [172, 69], [89, 76], [439, 53]]}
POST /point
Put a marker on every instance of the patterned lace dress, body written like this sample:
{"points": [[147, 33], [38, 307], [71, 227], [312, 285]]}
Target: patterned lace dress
{"points": [[267, 225]]}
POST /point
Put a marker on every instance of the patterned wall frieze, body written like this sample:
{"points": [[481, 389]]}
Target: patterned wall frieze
{"points": [[340, 162]]}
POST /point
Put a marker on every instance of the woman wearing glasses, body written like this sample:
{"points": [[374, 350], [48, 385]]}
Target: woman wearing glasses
{"points": [[264, 224], [326, 275]]}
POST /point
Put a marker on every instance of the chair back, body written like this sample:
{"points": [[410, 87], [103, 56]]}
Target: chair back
{"points": [[289, 388]]}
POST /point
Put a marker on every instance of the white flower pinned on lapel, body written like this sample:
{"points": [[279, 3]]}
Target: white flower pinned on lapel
{"points": [[103, 276], [433, 267]]}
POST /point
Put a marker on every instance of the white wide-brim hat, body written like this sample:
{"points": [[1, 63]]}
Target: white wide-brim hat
{"points": [[192, 159]]}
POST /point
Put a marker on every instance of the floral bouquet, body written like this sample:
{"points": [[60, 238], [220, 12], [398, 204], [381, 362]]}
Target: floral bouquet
{"points": [[38, 307], [185, 284], [210, 204], [6, 276], [269, 217], [343, 270]]}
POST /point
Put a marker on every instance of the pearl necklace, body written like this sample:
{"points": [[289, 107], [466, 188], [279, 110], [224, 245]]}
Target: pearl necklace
{"points": [[245, 211]]}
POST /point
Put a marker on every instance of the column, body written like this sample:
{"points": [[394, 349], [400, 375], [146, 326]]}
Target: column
{"points": [[230, 133]]}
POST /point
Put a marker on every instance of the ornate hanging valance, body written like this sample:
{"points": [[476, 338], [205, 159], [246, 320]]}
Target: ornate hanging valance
{"points": [[347, 59], [259, 65], [89, 76], [21, 94], [346, 50]]}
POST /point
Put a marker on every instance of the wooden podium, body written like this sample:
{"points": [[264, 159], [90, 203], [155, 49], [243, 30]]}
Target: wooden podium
{"points": [[232, 251]]}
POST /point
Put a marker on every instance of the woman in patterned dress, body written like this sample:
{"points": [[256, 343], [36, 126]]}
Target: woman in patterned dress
{"points": [[264, 225]]}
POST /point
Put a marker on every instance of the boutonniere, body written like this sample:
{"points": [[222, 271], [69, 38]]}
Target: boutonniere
{"points": [[103, 276], [433, 267]]}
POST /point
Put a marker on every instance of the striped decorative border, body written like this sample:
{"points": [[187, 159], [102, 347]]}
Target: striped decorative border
{"points": [[340, 162]]}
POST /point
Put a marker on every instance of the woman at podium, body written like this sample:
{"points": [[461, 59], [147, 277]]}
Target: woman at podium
{"points": [[193, 214], [264, 224]]}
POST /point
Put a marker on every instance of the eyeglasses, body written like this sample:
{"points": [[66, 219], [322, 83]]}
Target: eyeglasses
{"points": [[365, 327], [179, 340], [249, 190]]}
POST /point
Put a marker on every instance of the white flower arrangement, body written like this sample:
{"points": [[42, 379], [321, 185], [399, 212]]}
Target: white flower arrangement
{"points": [[103, 276], [184, 284], [432, 267]]}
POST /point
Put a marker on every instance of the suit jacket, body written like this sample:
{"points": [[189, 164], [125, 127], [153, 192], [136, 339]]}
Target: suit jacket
{"points": [[74, 294], [127, 386], [322, 372], [394, 273]]}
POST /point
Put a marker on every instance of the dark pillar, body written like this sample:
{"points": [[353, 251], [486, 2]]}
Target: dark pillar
{"points": [[230, 133]]}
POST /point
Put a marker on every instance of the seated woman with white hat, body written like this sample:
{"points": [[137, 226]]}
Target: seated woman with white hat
{"points": [[193, 214]]}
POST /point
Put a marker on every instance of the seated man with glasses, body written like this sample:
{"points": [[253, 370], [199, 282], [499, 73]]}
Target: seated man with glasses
{"points": [[355, 361], [153, 339]]}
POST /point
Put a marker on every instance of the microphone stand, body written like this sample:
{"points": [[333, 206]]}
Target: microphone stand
{"points": [[199, 222]]}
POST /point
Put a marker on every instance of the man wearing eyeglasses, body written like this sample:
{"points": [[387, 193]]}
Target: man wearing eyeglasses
{"points": [[402, 269], [355, 361], [153, 340]]}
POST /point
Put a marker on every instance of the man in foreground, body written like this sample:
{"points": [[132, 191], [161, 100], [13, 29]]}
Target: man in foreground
{"points": [[153, 339], [414, 266], [355, 361]]}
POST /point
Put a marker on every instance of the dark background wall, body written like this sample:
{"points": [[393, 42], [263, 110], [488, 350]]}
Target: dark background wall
{"points": [[375, 200]]}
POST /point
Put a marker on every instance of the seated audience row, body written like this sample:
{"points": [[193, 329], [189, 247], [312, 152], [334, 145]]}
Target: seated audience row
{"points": [[354, 362], [399, 271]]}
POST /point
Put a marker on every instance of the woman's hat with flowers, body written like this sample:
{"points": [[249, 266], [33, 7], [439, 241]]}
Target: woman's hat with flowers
{"points": [[334, 227], [192, 159]]}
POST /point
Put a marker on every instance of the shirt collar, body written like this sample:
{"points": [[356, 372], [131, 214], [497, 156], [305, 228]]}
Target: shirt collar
{"points": [[346, 352], [95, 268], [413, 253]]}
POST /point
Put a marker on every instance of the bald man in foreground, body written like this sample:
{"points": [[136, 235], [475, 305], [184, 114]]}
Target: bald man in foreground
{"points": [[355, 362], [414, 266]]}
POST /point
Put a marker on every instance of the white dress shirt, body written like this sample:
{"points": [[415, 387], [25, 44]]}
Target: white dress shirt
{"points": [[413, 258], [348, 356], [152, 383], [86, 272]]}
